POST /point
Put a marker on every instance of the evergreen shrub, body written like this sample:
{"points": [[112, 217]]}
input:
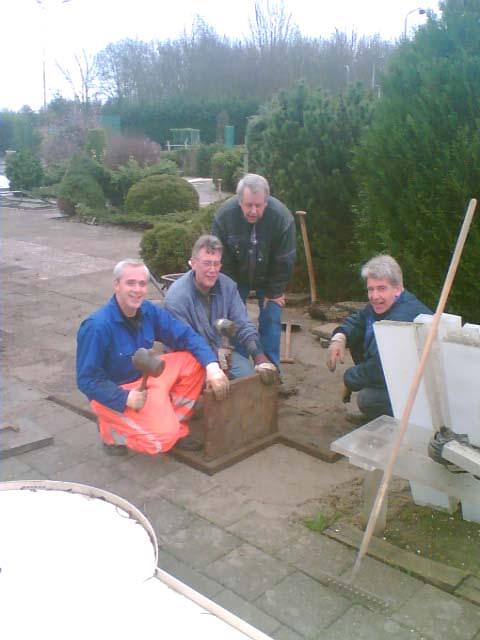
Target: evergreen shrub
{"points": [[167, 248], [80, 185], [205, 152], [227, 166], [159, 194], [23, 170], [96, 143]]}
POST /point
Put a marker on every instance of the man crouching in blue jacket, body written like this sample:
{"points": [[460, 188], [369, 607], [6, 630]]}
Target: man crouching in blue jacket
{"points": [[388, 300], [151, 420]]}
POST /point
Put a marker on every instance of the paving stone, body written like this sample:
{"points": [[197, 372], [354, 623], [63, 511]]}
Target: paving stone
{"points": [[392, 586], [267, 533], [17, 394], [129, 490], [284, 633], [316, 555], [247, 611], [189, 576], [90, 473], [362, 624], [56, 457], [440, 615], [50, 416], [303, 604], [200, 544], [15, 469], [222, 506], [81, 436], [146, 469], [166, 517], [247, 571], [184, 485]]}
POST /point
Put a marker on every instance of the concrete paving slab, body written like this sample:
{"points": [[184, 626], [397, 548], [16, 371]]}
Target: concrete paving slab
{"points": [[284, 633], [47, 415], [57, 457], [128, 489], [165, 517], [200, 544], [22, 435], [247, 571], [189, 576], [14, 469], [267, 532], [16, 394], [311, 551], [89, 472], [267, 478], [303, 604], [183, 486], [440, 616], [390, 585], [222, 506], [362, 624], [247, 611], [84, 435], [146, 469]]}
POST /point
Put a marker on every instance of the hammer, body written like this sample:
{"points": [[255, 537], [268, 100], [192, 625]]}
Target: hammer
{"points": [[226, 329], [149, 363], [288, 326]]}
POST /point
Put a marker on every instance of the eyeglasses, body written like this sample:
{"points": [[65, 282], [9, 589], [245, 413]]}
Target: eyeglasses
{"points": [[208, 264]]}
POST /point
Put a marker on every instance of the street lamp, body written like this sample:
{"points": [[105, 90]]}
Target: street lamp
{"points": [[418, 10]]}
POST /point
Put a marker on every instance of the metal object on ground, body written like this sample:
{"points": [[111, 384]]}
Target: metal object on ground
{"points": [[289, 327], [311, 273], [149, 363]]}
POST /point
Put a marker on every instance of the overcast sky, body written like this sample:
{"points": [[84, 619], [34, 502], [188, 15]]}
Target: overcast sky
{"points": [[62, 29]]}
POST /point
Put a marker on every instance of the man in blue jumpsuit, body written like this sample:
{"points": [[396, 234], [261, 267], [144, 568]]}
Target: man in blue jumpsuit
{"points": [[152, 420], [388, 300]]}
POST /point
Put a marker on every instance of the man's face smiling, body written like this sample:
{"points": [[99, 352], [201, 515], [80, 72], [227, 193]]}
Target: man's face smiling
{"points": [[206, 267], [131, 289], [382, 294], [253, 205]]}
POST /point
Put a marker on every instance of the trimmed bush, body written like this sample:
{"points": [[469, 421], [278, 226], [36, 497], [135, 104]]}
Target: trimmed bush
{"points": [[159, 194], [167, 248], [79, 185], [227, 165], [95, 144], [24, 171], [205, 153]]}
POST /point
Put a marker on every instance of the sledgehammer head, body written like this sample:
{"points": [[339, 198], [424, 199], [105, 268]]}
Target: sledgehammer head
{"points": [[225, 327], [148, 363]]}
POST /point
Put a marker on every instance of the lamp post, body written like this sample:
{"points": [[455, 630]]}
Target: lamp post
{"points": [[418, 10]]}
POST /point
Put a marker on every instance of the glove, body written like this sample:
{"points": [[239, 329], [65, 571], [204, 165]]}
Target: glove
{"points": [[267, 372], [217, 381], [225, 359], [136, 399], [346, 394], [336, 350]]}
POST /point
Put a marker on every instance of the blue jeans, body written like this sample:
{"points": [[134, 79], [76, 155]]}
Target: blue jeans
{"points": [[269, 325], [241, 366], [374, 402]]}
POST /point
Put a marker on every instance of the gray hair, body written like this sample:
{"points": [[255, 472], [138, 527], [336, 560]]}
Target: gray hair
{"points": [[383, 267], [210, 243], [129, 262], [254, 182]]}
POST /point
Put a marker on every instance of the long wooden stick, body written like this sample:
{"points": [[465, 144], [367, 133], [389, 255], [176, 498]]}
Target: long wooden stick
{"points": [[382, 490], [308, 255]]}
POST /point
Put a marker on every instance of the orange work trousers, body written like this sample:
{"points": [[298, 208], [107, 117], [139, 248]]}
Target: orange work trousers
{"points": [[162, 421]]}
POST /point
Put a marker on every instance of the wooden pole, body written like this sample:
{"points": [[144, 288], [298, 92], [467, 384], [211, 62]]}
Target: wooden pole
{"points": [[311, 274], [402, 428]]}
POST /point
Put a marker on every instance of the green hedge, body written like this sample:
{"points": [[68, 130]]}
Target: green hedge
{"points": [[159, 194]]}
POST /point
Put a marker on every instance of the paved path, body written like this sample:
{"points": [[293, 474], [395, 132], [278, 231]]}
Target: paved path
{"points": [[236, 537]]}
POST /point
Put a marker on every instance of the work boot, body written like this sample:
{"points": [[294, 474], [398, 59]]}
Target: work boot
{"points": [[115, 449], [188, 444], [286, 390]]}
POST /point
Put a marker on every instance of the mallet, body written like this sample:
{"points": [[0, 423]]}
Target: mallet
{"points": [[148, 363]]}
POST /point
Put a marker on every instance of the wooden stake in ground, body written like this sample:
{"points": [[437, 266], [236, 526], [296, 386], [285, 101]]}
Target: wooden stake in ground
{"points": [[311, 273], [447, 285]]}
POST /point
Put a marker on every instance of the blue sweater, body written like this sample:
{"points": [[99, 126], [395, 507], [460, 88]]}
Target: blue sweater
{"points": [[106, 343], [358, 328], [184, 300]]}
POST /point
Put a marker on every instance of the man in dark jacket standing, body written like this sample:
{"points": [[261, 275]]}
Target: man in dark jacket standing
{"points": [[258, 235], [388, 300]]}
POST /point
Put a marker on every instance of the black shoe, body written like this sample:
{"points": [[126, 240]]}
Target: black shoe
{"points": [[188, 444], [115, 449]]}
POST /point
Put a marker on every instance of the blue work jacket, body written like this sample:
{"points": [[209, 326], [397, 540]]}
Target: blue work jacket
{"points": [[106, 343]]}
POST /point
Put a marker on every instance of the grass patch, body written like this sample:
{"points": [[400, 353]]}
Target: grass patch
{"points": [[321, 521]]}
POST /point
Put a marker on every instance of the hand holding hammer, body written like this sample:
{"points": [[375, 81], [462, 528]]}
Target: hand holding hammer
{"points": [[150, 364]]}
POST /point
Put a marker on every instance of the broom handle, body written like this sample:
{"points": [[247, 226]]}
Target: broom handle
{"points": [[387, 475]]}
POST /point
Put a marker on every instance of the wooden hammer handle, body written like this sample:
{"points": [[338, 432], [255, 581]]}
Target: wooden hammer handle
{"points": [[288, 344]]}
